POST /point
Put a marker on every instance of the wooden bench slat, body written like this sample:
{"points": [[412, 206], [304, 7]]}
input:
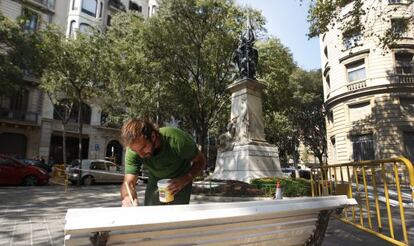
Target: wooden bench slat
{"points": [[286, 221], [228, 236], [90, 220]]}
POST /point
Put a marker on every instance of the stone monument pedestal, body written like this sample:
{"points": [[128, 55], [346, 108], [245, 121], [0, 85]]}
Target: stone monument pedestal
{"points": [[247, 162], [244, 153]]}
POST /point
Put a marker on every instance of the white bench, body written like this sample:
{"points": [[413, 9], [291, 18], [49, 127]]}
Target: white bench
{"points": [[278, 222]]}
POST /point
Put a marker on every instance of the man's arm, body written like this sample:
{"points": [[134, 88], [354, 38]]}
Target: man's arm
{"points": [[129, 180], [198, 164]]}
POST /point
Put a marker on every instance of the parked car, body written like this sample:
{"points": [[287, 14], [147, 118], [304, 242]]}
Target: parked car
{"points": [[143, 174], [37, 163], [14, 172], [95, 171], [288, 172]]}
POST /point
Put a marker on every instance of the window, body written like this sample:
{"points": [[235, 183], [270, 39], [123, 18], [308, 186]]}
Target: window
{"points": [[352, 41], [89, 7], [359, 111], [343, 3], [407, 105], [330, 117], [6, 162], [100, 10], [108, 20], [325, 51], [85, 28], [397, 1], [61, 111], [72, 29], [328, 81], [363, 147], [356, 71], [409, 145], [135, 7], [399, 26], [153, 9], [404, 63], [74, 4], [334, 153], [98, 166], [351, 37], [31, 18]]}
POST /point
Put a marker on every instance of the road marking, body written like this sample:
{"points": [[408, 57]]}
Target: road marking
{"points": [[31, 232], [48, 231], [12, 236]]}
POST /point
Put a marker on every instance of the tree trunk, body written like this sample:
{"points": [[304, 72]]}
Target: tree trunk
{"points": [[80, 137], [64, 145]]}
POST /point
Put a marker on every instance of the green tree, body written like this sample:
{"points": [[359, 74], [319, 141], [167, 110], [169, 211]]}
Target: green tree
{"points": [[69, 76], [191, 43], [275, 66], [361, 19], [17, 55], [308, 114], [128, 81]]}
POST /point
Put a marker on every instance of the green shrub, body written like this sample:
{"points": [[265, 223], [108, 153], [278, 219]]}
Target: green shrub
{"points": [[290, 187]]}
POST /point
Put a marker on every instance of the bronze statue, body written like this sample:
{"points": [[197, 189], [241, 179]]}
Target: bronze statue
{"points": [[246, 56]]}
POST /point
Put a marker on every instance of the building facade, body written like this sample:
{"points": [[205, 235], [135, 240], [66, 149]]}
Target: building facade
{"points": [[368, 88], [28, 124]]}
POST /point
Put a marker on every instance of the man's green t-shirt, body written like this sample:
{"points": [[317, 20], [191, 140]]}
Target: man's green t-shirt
{"points": [[173, 159]]}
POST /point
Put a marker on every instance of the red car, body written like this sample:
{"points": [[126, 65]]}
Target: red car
{"points": [[14, 172]]}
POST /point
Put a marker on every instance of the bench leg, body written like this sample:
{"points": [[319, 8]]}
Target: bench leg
{"points": [[318, 235], [99, 238]]}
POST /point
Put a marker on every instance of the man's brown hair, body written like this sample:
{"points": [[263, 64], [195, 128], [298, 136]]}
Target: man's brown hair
{"points": [[135, 128]]}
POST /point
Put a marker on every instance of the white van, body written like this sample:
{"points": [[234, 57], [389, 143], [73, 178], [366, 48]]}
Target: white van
{"points": [[95, 171]]}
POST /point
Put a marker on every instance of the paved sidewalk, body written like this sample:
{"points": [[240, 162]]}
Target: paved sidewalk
{"points": [[35, 215]]}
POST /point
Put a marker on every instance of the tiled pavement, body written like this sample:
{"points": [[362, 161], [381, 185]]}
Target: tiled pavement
{"points": [[35, 215]]}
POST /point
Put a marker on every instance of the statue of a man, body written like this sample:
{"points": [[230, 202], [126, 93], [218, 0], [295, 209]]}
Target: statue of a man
{"points": [[246, 56]]}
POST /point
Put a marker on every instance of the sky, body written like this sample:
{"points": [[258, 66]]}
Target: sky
{"points": [[286, 20]]}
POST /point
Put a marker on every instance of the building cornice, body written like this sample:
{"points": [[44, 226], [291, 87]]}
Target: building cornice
{"points": [[372, 90], [358, 53]]}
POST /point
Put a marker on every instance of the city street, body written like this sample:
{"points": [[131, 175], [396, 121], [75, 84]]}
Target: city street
{"points": [[35, 215]]}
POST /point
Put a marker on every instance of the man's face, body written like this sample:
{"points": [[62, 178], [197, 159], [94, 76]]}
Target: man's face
{"points": [[143, 147]]}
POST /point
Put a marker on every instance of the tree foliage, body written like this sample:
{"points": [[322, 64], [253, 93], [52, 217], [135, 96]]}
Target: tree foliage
{"points": [[17, 55], [308, 114], [69, 75], [361, 18], [127, 81], [275, 66]]}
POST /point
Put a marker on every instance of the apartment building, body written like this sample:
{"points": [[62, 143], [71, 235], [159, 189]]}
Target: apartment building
{"points": [[368, 88], [28, 124]]}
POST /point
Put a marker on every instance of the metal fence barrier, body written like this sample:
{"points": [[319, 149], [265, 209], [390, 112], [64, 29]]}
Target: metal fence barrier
{"points": [[382, 188]]}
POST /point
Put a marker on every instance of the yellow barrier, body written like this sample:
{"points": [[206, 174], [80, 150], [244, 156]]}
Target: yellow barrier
{"points": [[375, 185]]}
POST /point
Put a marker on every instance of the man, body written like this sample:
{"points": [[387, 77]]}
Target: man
{"points": [[167, 153]]}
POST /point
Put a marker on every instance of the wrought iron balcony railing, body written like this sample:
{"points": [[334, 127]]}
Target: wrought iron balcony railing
{"points": [[25, 116], [50, 4]]}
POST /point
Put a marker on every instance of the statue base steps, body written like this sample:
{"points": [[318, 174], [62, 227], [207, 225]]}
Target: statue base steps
{"points": [[247, 162]]}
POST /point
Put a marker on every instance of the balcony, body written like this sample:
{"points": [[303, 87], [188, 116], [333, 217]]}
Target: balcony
{"points": [[48, 4], [357, 85], [402, 78], [116, 4], [25, 116]]}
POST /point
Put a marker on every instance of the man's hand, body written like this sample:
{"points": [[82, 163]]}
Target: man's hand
{"points": [[128, 203], [179, 183], [128, 194]]}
